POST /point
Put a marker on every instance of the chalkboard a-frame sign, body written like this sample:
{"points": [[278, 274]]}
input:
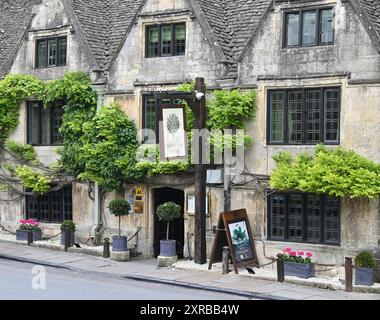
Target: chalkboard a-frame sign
{"points": [[234, 231]]}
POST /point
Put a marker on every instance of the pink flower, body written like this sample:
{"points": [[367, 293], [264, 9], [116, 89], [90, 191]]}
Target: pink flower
{"points": [[301, 253], [288, 249], [293, 253], [309, 254]]}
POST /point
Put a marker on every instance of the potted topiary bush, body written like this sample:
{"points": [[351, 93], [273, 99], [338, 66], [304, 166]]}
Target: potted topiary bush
{"points": [[298, 263], [364, 269], [119, 208], [27, 225], [168, 211], [69, 224]]}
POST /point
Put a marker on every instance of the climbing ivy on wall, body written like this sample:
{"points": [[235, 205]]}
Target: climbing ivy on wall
{"points": [[336, 172]]}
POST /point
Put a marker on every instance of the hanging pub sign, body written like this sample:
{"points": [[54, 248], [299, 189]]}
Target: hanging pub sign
{"points": [[234, 231], [173, 138]]}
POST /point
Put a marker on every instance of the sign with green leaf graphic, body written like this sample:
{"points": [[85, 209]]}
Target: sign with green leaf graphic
{"points": [[234, 231]]}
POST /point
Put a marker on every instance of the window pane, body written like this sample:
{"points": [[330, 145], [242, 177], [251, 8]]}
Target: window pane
{"points": [[277, 216], [32, 207], [331, 115], [180, 39], [277, 116], [46, 126], [68, 203], [295, 116], [332, 220], [52, 52], [57, 122], [313, 218], [313, 109], [166, 40], [150, 116], [292, 29], [62, 49], [326, 26], [33, 122], [56, 206], [153, 37], [309, 25], [295, 217], [45, 208], [41, 54]]}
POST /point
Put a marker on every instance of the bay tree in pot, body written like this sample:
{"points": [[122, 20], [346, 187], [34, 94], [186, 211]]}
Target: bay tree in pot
{"points": [[119, 208], [364, 269], [70, 225], [168, 211]]}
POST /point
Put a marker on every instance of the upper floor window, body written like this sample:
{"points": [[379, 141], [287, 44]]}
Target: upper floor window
{"points": [[304, 217], [51, 52], [44, 123], [150, 115], [304, 116], [165, 40], [309, 28]]}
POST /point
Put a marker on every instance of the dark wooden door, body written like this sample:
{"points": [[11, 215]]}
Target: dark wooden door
{"points": [[177, 227]]}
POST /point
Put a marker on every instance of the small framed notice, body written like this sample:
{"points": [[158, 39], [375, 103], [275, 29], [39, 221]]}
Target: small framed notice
{"points": [[190, 204], [173, 137]]}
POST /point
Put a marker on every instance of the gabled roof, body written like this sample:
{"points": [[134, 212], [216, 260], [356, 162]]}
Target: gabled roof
{"points": [[369, 11], [15, 18], [105, 24], [233, 24]]}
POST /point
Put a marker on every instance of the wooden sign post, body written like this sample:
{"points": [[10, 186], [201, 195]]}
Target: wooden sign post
{"points": [[234, 230]]}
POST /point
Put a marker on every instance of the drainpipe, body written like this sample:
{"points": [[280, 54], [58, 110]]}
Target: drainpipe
{"points": [[100, 88]]}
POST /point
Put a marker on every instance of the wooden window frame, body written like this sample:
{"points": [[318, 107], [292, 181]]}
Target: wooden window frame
{"points": [[57, 56], [63, 215], [285, 238], [38, 126], [173, 41], [304, 116], [301, 12]]}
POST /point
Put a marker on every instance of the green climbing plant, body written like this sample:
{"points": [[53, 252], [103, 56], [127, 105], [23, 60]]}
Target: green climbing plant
{"points": [[336, 172]]}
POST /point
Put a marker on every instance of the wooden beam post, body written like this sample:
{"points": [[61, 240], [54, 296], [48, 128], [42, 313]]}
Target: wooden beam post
{"points": [[200, 179]]}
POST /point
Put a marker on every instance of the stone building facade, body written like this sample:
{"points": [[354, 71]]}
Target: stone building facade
{"points": [[297, 54]]}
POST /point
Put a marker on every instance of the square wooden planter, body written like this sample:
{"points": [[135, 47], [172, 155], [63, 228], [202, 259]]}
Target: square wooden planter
{"points": [[22, 235], [300, 270]]}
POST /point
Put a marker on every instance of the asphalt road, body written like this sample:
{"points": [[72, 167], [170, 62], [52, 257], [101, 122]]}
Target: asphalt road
{"points": [[24, 281]]}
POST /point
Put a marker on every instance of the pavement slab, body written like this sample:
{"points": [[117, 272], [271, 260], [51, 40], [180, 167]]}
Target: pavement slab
{"points": [[199, 278]]}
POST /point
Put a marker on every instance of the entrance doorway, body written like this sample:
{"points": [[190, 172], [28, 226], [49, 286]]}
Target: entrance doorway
{"points": [[177, 226]]}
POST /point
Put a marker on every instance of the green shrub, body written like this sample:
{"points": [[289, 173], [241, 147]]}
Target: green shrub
{"points": [[119, 208], [25, 151], [365, 259], [69, 224], [168, 211]]}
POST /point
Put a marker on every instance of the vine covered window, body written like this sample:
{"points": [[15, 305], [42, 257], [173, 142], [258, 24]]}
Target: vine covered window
{"points": [[44, 123], [301, 217], [54, 206], [304, 116]]}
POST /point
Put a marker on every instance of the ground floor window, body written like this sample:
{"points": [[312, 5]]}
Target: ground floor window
{"points": [[302, 217], [51, 207]]}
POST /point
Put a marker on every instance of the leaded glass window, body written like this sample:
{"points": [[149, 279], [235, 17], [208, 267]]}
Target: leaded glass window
{"points": [[303, 217], [304, 116], [166, 40], [54, 206], [51, 52], [309, 27]]}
